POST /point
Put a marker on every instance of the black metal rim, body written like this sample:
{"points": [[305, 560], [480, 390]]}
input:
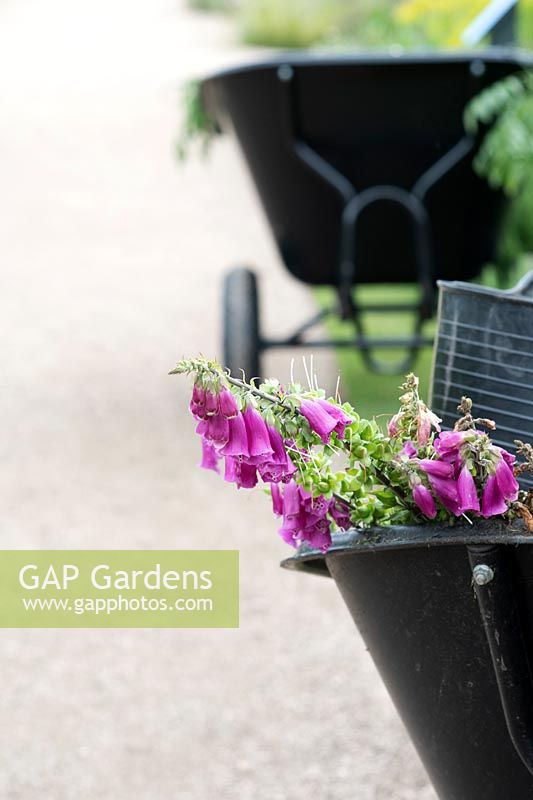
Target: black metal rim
{"points": [[296, 59], [372, 540], [495, 295]]}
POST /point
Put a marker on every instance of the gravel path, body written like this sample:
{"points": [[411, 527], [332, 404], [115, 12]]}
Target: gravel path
{"points": [[111, 263]]}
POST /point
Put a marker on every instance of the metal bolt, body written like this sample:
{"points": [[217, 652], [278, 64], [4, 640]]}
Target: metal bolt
{"points": [[483, 574], [285, 72], [477, 68]]}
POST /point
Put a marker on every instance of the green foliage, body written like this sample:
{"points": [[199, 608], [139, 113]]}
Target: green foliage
{"points": [[211, 5], [525, 24], [372, 23], [306, 23], [367, 23], [441, 23], [197, 127], [505, 157], [350, 469], [516, 240], [295, 24], [327, 466]]}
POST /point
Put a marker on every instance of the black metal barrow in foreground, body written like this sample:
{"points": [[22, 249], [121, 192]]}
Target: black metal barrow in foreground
{"points": [[447, 615], [483, 349], [365, 174]]}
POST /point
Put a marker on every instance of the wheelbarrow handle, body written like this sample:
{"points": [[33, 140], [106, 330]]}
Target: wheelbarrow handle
{"points": [[524, 286], [493, 584]]}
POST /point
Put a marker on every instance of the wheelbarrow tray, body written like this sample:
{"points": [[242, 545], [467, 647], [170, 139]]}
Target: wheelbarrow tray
{"points": [[368, 120], [410, 592], [483, 350]]}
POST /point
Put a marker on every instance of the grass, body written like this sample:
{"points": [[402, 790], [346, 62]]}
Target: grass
{"points": [[372, 394]]}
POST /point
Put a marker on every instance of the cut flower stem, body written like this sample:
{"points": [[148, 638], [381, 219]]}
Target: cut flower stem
{"points": [[287, 438]]}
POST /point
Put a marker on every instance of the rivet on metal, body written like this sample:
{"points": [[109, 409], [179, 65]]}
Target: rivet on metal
{"points": [[483, 574], [477, 68], [285, 72]]}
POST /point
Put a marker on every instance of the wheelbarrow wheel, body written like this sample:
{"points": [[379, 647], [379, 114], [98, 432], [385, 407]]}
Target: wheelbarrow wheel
{"points": [[241, 324]]}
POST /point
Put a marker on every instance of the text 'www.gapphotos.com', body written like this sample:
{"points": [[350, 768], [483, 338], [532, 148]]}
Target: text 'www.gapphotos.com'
{"points": [[110, 605]]}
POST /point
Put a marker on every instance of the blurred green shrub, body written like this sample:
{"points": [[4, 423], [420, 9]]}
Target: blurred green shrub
{"points": [[505, 157], [212, 5], [368, 23], [288, 23], [373, 23], [441, 22], [197, 129], [304, 23]]}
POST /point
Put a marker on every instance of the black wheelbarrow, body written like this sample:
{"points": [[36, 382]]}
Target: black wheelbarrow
{"points": [[365, 174], [447, 616], [447, 613]]}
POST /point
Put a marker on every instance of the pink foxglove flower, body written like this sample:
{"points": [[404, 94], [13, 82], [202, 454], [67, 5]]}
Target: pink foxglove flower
{"points": [[275, 473], [318, 535], [338, 414], [279, 454], [313, 509], [237, 444], [304, 517], [247, 476], [319, 419], [439, 468], [201, 428], [445, 489], [500, 489], [507, 457], [239, 472], [289, 535], [291, 501], [277, 499], [277, 466], [227, 404], [217, 430], [424, 500], [341, 514], [448, 443], [493, 500], [408, 450], [257, 432], [466, 487], [392, 426], [209, 456], [425, 422], [454, 471], [507, 483], [211, 404], [231, 469], [197, 404]]}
